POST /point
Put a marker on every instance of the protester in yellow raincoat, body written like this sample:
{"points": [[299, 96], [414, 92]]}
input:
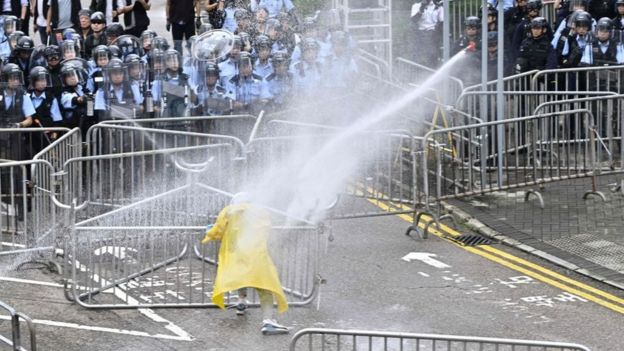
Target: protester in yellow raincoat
{"points": [[244, 260]]}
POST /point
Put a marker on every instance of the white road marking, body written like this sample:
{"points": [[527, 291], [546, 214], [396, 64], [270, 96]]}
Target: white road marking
{"points": [[110, 330], [424, 274], [425, 257], [34, 282]]}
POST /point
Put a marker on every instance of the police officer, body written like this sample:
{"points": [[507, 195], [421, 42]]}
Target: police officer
{"points": [[605, 50], [229, 67], [470, 38], [273, 7], [9, 27], [567, 24], [340, 68], [262, 49], [23, 51], [513, 17], [280, 82], [523, 30], [175, 86], [47, 110], [117, 100], [100, 58], [307, 72], [16, 111], [576, 48], [248, 89], [243, 21], [536, 51], [211, 97], [618, 20], [112, 32], [52, 56], [75, 100]]}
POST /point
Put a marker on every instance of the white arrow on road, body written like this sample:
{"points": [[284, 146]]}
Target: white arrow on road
{"points": [[425, 257]]}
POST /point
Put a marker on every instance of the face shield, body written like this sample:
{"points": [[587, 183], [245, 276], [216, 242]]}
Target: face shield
{"points": [[14, 79], [68, 47], [13, 38], [172, 61], [214, 45], [157, 63], [10, 26], [115, 76], [146, 40], [245, 65], [40, 81], [136, 70]]}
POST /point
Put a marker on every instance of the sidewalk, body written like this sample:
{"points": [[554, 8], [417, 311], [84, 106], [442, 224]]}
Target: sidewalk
{"points": [[583, 235]]}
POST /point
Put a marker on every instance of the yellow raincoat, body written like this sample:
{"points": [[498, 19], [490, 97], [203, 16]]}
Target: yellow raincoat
{"points": [[244, 259]]}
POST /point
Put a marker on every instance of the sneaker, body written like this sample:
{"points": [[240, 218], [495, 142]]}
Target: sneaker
{"points": [[270, 327], [241, 308]]}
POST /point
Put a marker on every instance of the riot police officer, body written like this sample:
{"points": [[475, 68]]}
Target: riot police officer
{"points": [[262, 49], [248, 89], [47, 108], [16, 111], [211, 97], [536, 51], [280, 82], [307, 72]]}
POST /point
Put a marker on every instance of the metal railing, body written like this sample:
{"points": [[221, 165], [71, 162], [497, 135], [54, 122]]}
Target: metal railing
{"points": [[315, 339], [15, 342]]}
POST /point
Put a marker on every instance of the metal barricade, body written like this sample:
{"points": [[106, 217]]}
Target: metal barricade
{"points": [[239, 126], [24, 230], [148, 253], [18, 144], [335, 339], [15, 342], [517, 82], [509, 154], [517, 103], [118, 179], [609, 127], [602, 78]]}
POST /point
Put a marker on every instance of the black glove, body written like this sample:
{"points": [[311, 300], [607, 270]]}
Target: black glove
{"points": [[168, 26], [198, 22], [19, 23]]}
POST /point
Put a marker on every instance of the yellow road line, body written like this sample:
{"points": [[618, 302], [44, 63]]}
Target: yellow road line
{"points": [[510, 261]]}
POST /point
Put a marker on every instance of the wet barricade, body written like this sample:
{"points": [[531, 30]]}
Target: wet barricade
{"points": [[335, 339], [15, 340], [514, 153], [148, 253]]}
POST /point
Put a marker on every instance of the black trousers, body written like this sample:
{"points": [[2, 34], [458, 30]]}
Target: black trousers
{"points": [[182, 32]]}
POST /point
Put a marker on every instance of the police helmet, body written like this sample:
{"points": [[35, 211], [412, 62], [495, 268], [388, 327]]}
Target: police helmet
{"points": [[279, 58], [52, 51], [85, 13], [114, 30], [70, 33], [491, 11], [115, 64], [69, 69], [241, 14], [172, 58], [25, 43], [534, 5], [148, 33], [101, 51], [10, 24], [309, 24], [98, 17], [37, 73], [132, 58], [12, 71], [273, 23], [245, 60], [619, 3], [472, 22], [582, 19], [160, 43], [262, 42], [128, 45], [539, 22], [211, 69], [604, 24], [309, 44], [14, 38], [115, 52], [238, 41]]}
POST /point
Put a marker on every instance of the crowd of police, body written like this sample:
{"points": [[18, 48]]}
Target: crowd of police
{"points": [[585, 33], [98, 70]]}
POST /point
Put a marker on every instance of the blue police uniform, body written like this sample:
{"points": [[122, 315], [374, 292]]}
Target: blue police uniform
{"points": [[273, 6]]}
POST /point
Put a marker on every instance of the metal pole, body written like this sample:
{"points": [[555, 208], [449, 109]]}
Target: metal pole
{"points": [[483, 101], [446, 31], [500, 102]]}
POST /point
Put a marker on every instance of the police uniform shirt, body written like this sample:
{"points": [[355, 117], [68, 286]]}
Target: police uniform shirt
{"points": [[279, 87], [250, 89], [5, 49], [338, 71], [228, 70], [137, 95], [55, 111], [306, 77], [27, 105], [66, 101], [217, 93], [273, 6], [263, 70]]}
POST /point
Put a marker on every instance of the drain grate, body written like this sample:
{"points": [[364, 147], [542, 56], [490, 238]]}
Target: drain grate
{"points": [[471, 240]]}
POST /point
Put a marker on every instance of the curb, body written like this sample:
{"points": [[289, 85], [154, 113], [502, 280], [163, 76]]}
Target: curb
{"points": [[481, 228]]}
